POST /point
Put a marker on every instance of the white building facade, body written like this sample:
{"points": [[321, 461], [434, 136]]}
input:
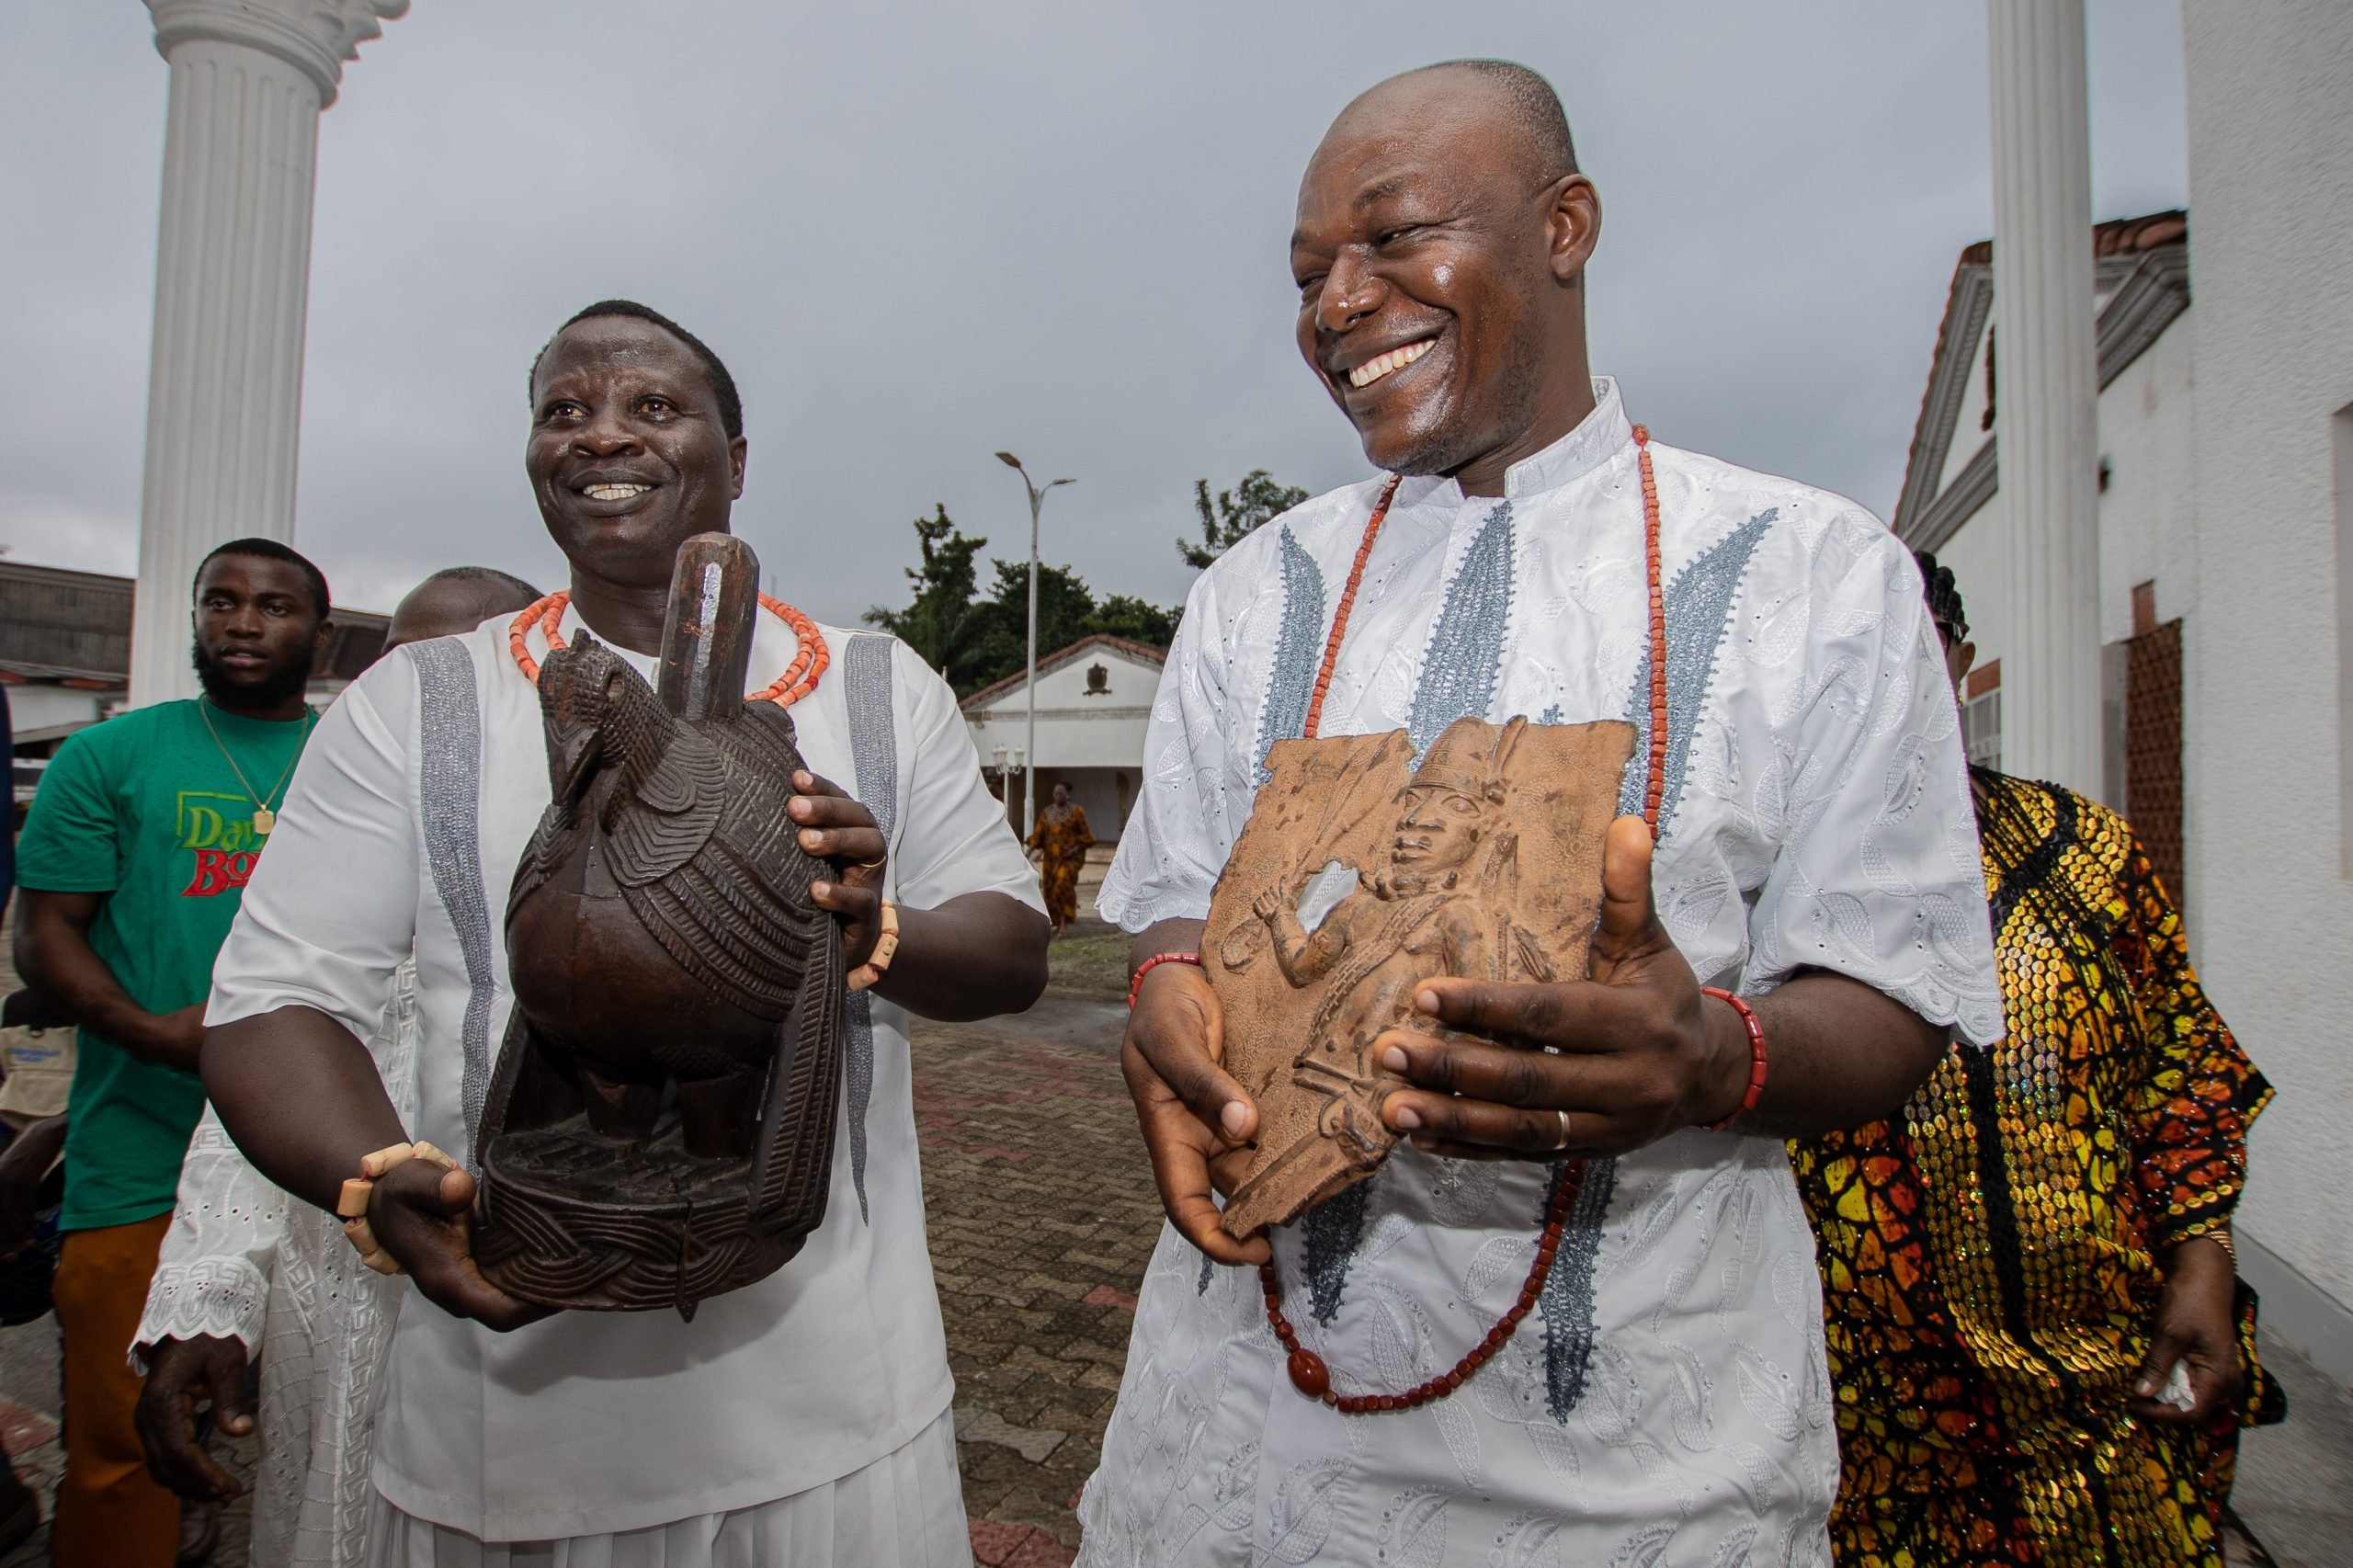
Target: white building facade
{"points": [[2225, 470], [1093, 699], [2267, 608], [2147, 523]]}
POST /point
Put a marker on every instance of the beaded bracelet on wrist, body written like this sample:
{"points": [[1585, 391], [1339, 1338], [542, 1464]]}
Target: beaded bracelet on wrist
{"points": [[351, 1204], [1135, 983], [886, 948]]}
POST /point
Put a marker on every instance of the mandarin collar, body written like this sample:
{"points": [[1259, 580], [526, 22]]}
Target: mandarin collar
{"points": [[1599, 437]]}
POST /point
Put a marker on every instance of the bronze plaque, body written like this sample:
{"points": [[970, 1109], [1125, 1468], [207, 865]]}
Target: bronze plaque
{"points": [[1358, 876], [660, 1126]]}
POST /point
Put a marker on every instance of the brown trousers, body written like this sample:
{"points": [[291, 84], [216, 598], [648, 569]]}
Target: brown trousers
{"points": [[109, 1513]]}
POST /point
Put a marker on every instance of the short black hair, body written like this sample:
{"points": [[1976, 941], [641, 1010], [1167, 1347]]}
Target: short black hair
{"points": [[1943, 591], [1534, 105], [722, 385], [270, 550], [489, 576]]}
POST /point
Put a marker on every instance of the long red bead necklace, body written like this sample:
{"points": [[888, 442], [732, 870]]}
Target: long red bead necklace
{"points": [[1307, 1370], [800, 678]]}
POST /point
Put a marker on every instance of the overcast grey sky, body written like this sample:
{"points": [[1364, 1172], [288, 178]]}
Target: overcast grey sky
{"points": [[918, 234]]}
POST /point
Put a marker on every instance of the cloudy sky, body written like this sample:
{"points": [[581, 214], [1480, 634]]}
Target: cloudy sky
{"points": [[918, 234]]}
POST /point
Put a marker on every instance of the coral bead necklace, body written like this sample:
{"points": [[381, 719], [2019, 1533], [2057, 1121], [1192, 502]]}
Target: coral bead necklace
{"points": [[1306, 1369], [800, 678]]}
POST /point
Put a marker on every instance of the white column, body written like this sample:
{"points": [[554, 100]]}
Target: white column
{"points": [[232, 274], [2047, 392]]}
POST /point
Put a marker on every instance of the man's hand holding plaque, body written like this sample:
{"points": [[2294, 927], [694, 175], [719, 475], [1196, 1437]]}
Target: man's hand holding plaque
{"points": [[1601, 1066]]}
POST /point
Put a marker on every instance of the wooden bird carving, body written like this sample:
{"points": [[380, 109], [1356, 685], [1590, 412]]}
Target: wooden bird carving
{"points": [[675, 986]]}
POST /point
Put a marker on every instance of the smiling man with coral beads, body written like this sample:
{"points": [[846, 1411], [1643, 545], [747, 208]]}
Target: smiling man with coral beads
{"points": [[1573, 1319], [802, 1419]]}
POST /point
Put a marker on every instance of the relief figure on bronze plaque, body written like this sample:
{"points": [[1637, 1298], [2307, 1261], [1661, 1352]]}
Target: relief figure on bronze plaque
{"points": [[1421, 878]]}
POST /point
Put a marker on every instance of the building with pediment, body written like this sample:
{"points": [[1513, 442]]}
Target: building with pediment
{"points": [[2217, 567], [2146, 507], [1093, 699]]}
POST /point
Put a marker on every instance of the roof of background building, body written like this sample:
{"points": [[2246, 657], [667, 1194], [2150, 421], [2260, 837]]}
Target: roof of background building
{"points": [[1048, 663], [2142, 277], [2118, 236]]}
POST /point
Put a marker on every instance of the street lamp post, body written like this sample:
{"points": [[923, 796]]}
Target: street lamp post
{"points": [[1029, 774]]}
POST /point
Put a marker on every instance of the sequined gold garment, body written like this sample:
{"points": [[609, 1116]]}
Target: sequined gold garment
{"points": [[1990, 1266], [1062, 842]]}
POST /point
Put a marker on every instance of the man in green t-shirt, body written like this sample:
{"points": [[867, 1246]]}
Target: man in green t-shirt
{"points": [[141, 839]]}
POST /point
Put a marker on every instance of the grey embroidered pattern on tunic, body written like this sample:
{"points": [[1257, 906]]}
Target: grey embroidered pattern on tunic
{"points": [[1332, 1230], [866, 670], [1466, 644], [449, 806], [1566, 1303], [1697, 604], [1292, 682], [1459, 671]]}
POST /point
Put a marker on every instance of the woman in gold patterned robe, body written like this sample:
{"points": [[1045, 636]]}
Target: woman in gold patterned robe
{"points": [[2013, 1272], [1061, 841]]}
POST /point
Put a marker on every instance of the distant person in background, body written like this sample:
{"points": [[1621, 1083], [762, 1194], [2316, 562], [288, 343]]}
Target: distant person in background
{"points": [[1061, 841], [132, 865], [2013, 1272], [247, 1273]]}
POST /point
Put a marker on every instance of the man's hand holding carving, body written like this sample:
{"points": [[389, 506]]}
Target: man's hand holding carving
{"points": [[1197, 1121], [837, 827], [1635, 1053], [975, 956], [423, 1216]]}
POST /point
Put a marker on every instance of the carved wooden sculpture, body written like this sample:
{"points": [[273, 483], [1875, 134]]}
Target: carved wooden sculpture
{"points": [[660, 1126], [1358, 876]]}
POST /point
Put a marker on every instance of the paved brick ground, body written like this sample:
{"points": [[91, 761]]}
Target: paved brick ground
{"points": [[1043, 1216], [1016, 1116], [1042, 1219]]}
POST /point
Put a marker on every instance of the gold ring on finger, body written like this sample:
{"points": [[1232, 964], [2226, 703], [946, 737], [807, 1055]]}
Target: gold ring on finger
{"points": [[1564, 1129]]}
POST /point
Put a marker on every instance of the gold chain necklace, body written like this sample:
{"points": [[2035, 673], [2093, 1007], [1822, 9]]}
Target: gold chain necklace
{"points": [[264, 818]]}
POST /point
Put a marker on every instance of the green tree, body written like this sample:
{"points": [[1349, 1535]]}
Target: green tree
{"points": [[1125, 615], [1236, 513], [1064, 607], [943, 624], [973, 641]]}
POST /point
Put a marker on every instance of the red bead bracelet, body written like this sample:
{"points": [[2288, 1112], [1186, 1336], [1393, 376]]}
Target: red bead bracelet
{"points": [[1153, 963], [1756, 1057]]}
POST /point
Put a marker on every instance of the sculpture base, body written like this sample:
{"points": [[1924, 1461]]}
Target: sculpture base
{"points": [[569, 1219]]}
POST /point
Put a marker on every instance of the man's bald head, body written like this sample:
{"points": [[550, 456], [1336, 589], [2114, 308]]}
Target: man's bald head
{"points": [[456, 600], [1531, 109], [1440, 249]]}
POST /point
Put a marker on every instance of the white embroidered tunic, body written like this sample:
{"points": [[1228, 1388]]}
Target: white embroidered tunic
{"points": [[1667, 1403], [402, 828]]}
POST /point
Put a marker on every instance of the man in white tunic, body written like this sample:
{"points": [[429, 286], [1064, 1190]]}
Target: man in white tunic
{"points": [[803, 1419], [1665, 1402]]}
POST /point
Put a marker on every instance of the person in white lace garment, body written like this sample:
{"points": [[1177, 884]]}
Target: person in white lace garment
{"points": [[1665, 1402], [247, 1269]]}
